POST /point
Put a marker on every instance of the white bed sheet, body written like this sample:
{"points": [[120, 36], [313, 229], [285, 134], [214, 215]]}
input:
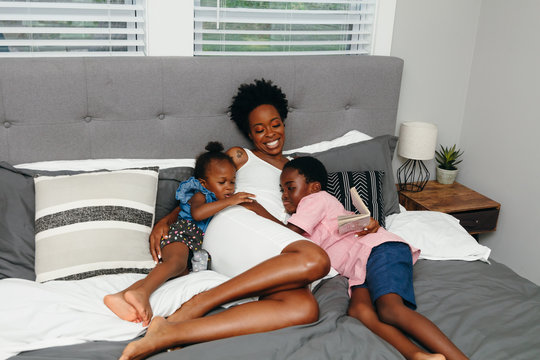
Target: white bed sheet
{"points": [[57, 313]]}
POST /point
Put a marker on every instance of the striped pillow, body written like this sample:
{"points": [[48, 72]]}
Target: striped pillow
{"points": [[369, 185], [94, 223]]}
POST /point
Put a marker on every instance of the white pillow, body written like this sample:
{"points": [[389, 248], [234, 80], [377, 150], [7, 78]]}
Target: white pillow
{"points": [[439, 236], [94, 223], [353, 136], [106, 164]]}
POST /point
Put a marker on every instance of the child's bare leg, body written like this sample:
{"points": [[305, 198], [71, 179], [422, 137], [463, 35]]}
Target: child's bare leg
{"points": [[299, 264], [132, 304], [361, 308], [275, 311], [175, 256], [393, 311]]}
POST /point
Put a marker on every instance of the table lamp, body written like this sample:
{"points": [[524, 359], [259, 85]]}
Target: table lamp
{"points": [[417, 142]]}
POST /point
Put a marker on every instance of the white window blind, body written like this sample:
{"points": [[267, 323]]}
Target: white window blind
{"points": [[72, 28], [281, 27]]}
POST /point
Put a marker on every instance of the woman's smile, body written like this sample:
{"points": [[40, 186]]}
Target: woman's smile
{"points": [[266, 129]]}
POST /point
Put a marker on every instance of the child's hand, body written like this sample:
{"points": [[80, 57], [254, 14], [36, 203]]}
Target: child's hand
{"points": [[240, 197], [254, 206], [371, 228]]}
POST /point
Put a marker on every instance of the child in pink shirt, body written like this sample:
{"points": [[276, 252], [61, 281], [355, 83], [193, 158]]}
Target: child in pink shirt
{"points": [[379, 264]]}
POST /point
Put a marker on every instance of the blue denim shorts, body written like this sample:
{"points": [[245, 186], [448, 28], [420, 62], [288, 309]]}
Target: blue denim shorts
{"points": [[390, 270]]}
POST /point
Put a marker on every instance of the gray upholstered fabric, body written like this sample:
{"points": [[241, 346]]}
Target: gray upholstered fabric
{"points": [[166, 107]]}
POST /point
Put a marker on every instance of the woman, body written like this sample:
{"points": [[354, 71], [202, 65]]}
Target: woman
{"points": [[263, 258]]}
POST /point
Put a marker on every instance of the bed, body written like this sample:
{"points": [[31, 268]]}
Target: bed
{"points": [[84, 118]]}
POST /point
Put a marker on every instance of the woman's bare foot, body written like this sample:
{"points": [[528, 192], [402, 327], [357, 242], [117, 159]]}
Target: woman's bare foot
{"points": [[118, 305], [153, 342], [426, 356], [140, 302], [192, 309]]}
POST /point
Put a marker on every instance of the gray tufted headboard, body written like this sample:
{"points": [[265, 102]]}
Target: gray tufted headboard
{"points": [[169, 107]]}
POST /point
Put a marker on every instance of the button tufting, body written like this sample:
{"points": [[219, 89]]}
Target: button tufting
{"points": [[88, 119], [161, 116], [347, 107], [7, 124], [229, 113], [290, 108]]}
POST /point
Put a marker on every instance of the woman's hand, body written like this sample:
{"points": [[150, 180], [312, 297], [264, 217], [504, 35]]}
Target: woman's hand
{"points": [[161, 229], [371, 228]]}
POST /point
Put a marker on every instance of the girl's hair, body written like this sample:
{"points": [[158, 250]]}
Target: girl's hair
{"points": [[311, 168], [214, 151], [250, 96]]}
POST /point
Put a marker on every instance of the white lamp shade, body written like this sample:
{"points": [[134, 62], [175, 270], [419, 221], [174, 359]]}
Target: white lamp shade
{"points": [[417, 140]]}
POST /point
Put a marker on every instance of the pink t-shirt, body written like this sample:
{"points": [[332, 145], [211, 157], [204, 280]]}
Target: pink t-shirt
{"points": [[317, 215]]}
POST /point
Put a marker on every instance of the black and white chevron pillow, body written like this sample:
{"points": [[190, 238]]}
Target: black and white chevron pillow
{"points": [[369, 185], [94, 223]]}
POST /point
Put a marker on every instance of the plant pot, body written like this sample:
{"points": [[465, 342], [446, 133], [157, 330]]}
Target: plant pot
{"points": [[446, 176]]}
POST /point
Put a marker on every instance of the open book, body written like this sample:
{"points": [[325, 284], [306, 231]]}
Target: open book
{"points": [[355, 222]]}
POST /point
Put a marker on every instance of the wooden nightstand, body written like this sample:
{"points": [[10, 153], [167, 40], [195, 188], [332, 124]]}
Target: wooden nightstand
{"points": [[476, 213]]}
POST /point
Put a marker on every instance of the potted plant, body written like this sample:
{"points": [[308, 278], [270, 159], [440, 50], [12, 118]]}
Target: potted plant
{"points": [[447, 158]]}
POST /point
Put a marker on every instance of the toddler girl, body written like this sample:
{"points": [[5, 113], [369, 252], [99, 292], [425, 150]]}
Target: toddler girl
{"points": [[209, 190], [379, 264]]}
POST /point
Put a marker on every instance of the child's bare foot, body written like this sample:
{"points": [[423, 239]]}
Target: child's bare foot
{"points": [[141, 304], [426, 356], [192, 309], [118, 305], [153, 342]]}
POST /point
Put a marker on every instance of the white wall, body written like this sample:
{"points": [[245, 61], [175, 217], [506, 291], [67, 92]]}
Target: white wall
{"points": [[435, 38], [501, 126], [471, 67]]}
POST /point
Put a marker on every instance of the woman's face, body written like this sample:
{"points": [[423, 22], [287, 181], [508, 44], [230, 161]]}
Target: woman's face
{"points": [[266, 130]]}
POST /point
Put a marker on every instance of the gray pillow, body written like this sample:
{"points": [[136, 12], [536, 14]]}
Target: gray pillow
{"points": [[16, 223], [169, 179], [374, 154], [17, 209]]}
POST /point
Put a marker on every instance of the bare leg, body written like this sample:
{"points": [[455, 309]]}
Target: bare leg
{"points": [[282, 309], [117, 304], [299, 264], [393, 311], [136, 297], [361, 308]]}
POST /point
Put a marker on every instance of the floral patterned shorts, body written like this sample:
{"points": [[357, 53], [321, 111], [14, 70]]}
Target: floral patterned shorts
{"points": [[184, 231]]}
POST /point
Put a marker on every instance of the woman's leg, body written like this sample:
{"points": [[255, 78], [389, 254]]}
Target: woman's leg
{"points": [[275, 311], [299, 264], [133, 303], [393, 311], [362, 309]]}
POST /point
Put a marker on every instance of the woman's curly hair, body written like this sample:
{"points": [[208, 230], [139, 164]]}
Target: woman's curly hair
{"points": [[250, 96]]}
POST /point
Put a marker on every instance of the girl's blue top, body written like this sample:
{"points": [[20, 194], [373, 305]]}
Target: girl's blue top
{"points": [[185, 192]]}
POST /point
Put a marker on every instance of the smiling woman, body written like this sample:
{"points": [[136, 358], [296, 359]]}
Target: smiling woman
{"points": [[281, 263]]}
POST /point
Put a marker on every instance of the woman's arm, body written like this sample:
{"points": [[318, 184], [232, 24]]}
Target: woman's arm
{"points": [[161, 229], [238, 155], [201, 210]]}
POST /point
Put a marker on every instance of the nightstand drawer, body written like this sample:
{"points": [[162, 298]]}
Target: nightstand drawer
{"points": [[478, 221]]}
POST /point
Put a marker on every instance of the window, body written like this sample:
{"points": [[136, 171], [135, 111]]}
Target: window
{"points": [[278, 27], [72, 28]]}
